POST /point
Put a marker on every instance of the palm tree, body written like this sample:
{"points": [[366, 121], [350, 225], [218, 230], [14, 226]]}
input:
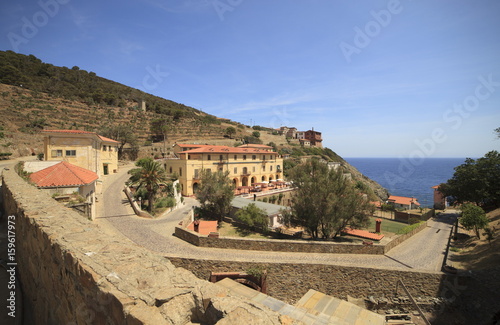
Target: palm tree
{"points": [[149, 176]]}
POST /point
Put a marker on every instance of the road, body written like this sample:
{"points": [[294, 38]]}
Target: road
{"points": [[423, 252]]}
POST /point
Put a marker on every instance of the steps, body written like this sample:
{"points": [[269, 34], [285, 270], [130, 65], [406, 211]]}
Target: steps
{"points": [[314, 308]]}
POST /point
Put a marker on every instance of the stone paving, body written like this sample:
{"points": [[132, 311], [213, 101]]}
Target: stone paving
{"points": [[423, 252]]}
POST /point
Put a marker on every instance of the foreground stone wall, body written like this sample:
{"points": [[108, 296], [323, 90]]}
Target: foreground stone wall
{"points": [[73, 273], [289, 282]]}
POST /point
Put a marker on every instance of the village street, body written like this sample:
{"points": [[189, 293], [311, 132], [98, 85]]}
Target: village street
{"points": [[424, 251]]}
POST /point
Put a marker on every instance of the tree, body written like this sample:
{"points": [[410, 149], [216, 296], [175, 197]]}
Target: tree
{"points": [[215, 194], [149, 176], [325, 201], [256, 134], [473, 218], [230, 131], [123, 134], [160, 127], [497, 132], [475, 181], [253, 216]]}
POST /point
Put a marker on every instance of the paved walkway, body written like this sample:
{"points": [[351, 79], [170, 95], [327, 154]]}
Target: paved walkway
{"points": [[423, 252]]}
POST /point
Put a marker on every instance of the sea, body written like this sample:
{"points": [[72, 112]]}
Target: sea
{"points": [[408, 177]]}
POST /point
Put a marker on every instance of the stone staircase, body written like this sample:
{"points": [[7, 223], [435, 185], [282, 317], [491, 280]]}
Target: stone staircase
{"points": [[314, 308]]}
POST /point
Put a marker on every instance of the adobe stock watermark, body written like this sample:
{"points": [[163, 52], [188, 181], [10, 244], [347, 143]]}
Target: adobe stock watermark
{"points": [[453, 118], [280, 118], [363, 36], [31, 26], [224, 6], [154, 77]]}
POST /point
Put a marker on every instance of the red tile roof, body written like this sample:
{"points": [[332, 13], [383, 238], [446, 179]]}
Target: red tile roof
{"points": [[362, 234], [205, 227], [403, 200], [263, 146], [226, 149], [80, 132], [63, 174]]}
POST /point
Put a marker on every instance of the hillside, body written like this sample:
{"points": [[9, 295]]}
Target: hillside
{"points": [[36, 96]]}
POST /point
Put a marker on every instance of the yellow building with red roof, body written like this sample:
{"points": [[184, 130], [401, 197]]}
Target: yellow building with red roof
{"points": [[82, 148], [246, 165]]}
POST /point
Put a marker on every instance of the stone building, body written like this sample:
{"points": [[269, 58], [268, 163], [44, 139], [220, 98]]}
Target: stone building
{"points": [[82, 148], [246, 165]]}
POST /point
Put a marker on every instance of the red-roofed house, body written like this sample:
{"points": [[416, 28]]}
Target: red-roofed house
{"points": [[403, 202], [246, 165], [65, 178], [82, 148]]}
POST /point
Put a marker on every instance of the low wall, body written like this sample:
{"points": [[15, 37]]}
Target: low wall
{"points": [[284, 245], [71, 272], [281, 245], [137, 210], [289, 282]]}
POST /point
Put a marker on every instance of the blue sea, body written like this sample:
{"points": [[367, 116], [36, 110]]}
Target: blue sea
{"points": [[406, 177]]}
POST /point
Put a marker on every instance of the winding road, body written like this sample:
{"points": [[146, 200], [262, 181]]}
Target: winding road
{"points": [[423, 252]]}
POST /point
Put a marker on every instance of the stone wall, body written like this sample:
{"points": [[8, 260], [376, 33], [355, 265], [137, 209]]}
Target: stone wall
{"points": [[289, 282], [71, 272], [284, 245]]}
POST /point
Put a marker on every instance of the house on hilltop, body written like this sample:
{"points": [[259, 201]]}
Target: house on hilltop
{"points": [[82, 148]]}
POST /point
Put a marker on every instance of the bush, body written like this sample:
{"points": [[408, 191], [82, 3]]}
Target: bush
{"points": [[409, 228], [165, 202]]}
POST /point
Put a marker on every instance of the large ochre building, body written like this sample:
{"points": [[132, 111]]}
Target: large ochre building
{"points": [[247, 164], [82, 148]]}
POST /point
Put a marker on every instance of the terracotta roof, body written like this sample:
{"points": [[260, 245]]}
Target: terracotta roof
{"points": [[226, 149], [205, 227], [189, 145], [403, 200], [63, 174], [80, 132], [255, 146]]}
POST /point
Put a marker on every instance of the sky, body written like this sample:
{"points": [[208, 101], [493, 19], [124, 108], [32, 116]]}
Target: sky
{"points": [[408, 79]]}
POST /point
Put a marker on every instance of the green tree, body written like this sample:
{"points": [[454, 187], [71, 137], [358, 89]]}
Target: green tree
{"points": [[256, 134], [325, 201], [254, 217], [123, 134], [149, 176], [215, 194], [473, 218], [159, 127], [230, 131], [475, 181], [497, 132]]}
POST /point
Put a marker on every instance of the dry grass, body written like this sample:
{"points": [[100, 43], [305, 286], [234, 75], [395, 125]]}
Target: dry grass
{"points": [[472, 253]]}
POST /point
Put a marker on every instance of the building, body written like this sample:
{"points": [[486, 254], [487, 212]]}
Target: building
{"points": [[402, 202], [246, 165], [314, 138], [274, 211], [66, 178], [82, 148], [440, 201]]}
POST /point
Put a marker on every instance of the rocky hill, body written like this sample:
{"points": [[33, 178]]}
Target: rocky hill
{"points": [[36, 96]]}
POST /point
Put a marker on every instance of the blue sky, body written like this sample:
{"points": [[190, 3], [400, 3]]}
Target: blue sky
{"points": [[404, 79]]}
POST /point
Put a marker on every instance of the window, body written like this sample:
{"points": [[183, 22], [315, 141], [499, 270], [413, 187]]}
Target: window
{"points": [[104, 148], [271, 168], [56, 153], [244, 157], [196, 173], [170, 169], [264, 168], [254, 157], [209, 157], [180, 171], [70, 153], [253, 169], [189, 157], [235, 170], [263, 157], [235, 157], [245, 170], [220, 157]]}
